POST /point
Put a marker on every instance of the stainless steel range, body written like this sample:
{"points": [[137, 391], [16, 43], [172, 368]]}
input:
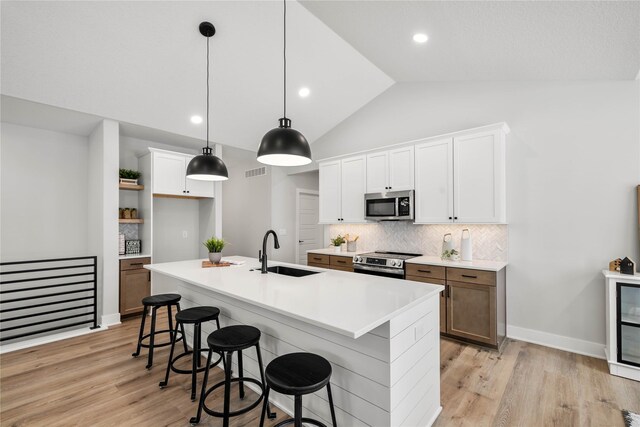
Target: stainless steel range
{"points": [[380, 263]]}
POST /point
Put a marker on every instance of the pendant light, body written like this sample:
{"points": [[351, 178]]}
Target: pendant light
{"points": [[206, 166], [284, 146]]}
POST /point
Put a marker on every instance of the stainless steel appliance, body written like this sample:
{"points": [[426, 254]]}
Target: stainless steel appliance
{"points": [[390, 206], [379, 263]]}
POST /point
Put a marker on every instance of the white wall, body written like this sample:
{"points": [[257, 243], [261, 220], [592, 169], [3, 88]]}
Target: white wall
{"points": [[283, 209], [573, 161], [44, 193], [246, 210]]}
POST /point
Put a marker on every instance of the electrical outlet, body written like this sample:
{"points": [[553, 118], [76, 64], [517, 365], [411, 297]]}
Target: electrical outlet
{"points": [[185, 234]]}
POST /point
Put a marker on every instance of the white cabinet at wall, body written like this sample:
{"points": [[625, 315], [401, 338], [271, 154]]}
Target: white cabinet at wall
{"points": [[342, 187], [434, 181], [169, 176], [461, 179], [390, 170]]}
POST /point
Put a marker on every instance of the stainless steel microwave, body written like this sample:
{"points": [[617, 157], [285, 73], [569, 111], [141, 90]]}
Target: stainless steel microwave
{"points": [[390, 206]]}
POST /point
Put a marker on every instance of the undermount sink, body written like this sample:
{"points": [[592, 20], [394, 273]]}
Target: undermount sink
{"points": [[289, 271]]}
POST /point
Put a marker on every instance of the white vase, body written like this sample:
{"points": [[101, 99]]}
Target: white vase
{"points": [[351, 246], [337, 249], [215, 257]]}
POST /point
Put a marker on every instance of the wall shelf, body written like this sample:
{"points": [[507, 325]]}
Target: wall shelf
{"points": [[131, 187], [131, 221]]}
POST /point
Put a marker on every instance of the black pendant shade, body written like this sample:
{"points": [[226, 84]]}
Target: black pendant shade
{"points": [[206, 166], [284, 146]]}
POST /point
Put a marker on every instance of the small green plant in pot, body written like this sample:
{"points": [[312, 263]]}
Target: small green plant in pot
{"points": [[128, 176], [337, 242], [215, 246]]}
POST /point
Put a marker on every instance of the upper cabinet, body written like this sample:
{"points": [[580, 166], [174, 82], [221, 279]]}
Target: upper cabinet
{"points": [[390, 170], [169, 176], [461, 179], [458, 177], [342, 187]]}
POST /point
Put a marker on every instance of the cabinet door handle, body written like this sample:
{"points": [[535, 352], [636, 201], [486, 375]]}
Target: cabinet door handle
{"points": [[136, 263], [469, 276], [450, 217], [448, 291], [341, 262], [455, 217], [317, 259], [424, 271]]}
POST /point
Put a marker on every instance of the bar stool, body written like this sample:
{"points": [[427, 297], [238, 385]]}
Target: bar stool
{"points": [[225, 342], [194, 316], [154, 302], [297, 374]]}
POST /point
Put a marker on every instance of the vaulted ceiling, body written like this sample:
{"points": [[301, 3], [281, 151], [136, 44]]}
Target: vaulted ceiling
{"points": [[143, 62]]}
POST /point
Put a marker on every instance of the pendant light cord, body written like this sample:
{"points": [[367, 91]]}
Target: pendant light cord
{"points": [[208, 92], [284, 58]]}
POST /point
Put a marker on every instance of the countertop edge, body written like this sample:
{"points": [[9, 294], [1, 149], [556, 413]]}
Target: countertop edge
{"points": [[473, 265]]}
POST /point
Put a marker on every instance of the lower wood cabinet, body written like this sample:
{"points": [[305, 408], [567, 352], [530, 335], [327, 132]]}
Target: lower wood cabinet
{"points": [[332, 262], [473, 304], [135, 284]]}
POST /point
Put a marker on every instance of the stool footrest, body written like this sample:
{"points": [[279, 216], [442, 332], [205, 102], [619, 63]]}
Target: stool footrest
{"points": [[164, 344], [239, 411], [189, 371], [304, 420]]}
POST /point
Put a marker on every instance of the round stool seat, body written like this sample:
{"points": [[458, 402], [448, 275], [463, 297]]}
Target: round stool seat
{"points": [[233, 338], [161, 299], [298, 373], [198, 314]]}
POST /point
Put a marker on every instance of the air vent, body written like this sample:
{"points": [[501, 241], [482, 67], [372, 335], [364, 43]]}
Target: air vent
{"points": [[255, 172]]}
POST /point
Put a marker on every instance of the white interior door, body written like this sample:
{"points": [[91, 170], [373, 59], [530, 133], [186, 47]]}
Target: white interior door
{"points": [[309, 232]]}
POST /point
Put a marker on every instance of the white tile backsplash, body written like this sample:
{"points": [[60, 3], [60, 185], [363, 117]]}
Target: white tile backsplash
{"points": [[490, 241]]}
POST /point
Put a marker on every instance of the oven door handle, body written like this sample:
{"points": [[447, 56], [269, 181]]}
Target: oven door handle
{"points": [[396, 271]]}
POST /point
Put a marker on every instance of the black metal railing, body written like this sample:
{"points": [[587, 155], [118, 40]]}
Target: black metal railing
{"points": [[60, 293]]}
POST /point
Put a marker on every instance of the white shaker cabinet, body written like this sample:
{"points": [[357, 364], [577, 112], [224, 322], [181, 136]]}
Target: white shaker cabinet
{"points": [[329, 190], [342, 187], [390, 170], [168, 173], [462, 178], [169, 176], [434, 181], [479, 178]]}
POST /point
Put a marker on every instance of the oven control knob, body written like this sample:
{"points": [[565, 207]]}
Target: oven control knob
{"points": [[393, 262], [357, 258]]}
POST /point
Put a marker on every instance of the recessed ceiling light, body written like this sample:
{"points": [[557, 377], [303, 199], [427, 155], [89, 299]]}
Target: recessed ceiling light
{"points": [[420, 38], [304, 92], [196, 120]]}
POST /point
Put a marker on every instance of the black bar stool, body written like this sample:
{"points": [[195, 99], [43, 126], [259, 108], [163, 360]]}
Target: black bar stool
{"points": [[154, 302], [225, 342], [193, 316], [297, 374]]}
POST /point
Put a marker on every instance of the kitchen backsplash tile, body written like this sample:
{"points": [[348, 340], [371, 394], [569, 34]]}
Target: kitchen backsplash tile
{"points": [[490, 241], [130, 231]]}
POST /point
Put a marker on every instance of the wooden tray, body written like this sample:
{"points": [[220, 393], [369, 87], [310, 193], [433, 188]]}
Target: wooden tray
{"points": [[208, 264]]}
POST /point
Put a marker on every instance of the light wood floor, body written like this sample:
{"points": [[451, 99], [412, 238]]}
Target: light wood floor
{"points": [[93, 381]]}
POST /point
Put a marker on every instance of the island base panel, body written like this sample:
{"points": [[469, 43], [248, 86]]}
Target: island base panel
{"points": [[389, 376]]}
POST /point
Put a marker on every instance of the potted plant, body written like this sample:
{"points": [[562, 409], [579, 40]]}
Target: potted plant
{"points": [[337, 242], [215, 246], [128, 176]]}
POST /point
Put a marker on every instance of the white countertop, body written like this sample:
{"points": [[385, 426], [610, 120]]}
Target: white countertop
{"points": [[346, 303], [130, 256], [331, 251], [617, 275], [476, 264]]}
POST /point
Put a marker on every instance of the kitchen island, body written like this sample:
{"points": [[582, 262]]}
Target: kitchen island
{"points": [[381, 335]]}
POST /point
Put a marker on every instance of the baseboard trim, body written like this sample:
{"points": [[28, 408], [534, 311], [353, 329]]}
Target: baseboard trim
{"points": [[573, 345], [7, 348], [110, 319]]}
